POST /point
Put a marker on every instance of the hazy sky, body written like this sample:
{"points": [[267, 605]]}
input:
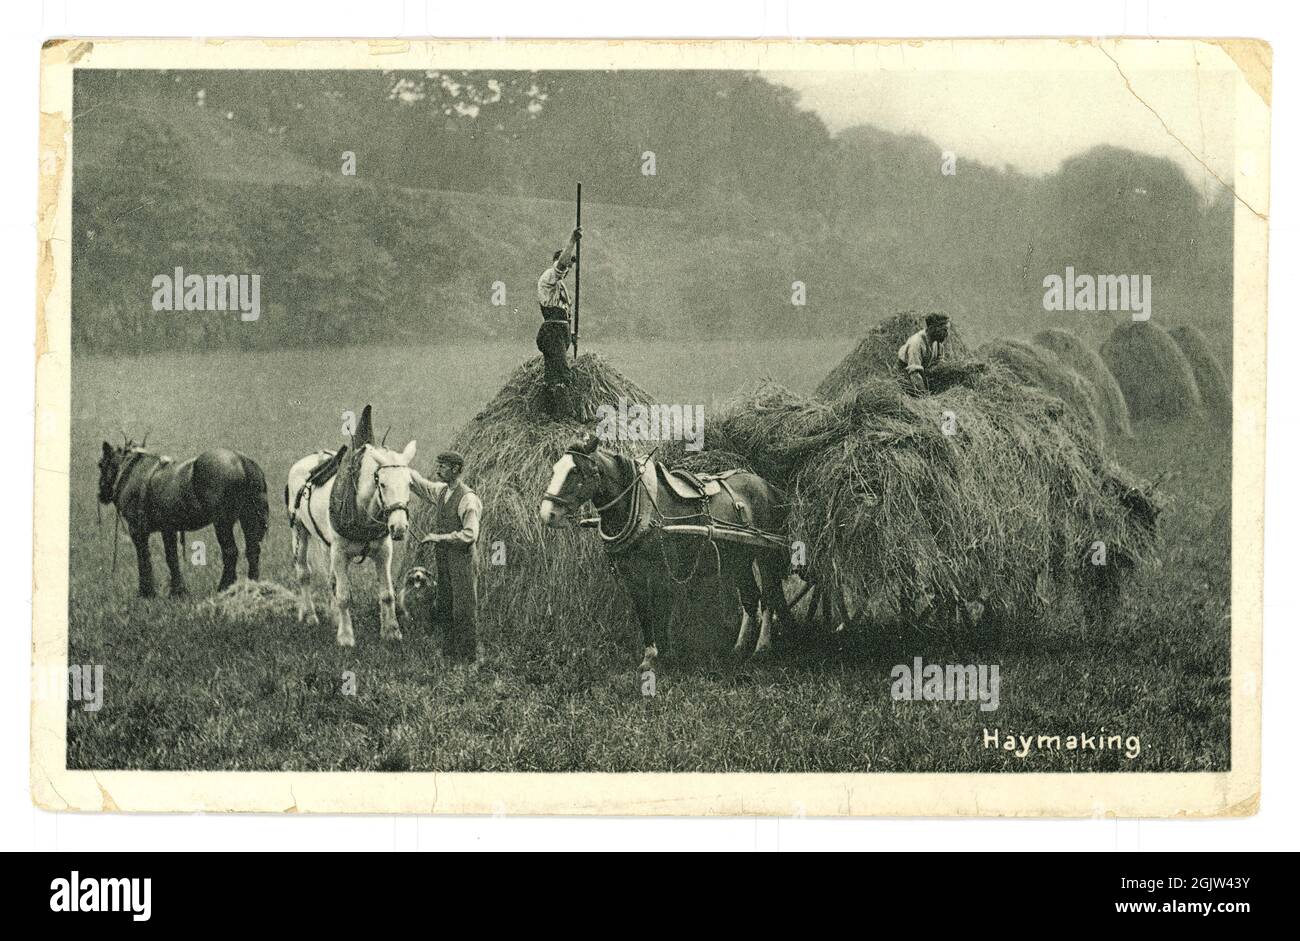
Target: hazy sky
{"points": [[1032, 120]]}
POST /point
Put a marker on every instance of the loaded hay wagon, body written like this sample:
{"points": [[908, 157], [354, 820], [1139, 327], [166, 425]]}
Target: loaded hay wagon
{"points": [[915, 508], [990, 492]]}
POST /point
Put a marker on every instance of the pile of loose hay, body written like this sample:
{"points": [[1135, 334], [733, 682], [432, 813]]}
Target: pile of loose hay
{"points": [[1087, 362], [877, 353], [1211, 381], [548, 582], [1014, 496], [249, 602], [1157, 380], [1043, 370]]}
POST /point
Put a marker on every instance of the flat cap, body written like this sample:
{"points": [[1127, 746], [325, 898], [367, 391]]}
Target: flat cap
{"points": [[452, 457], [934, 320]]}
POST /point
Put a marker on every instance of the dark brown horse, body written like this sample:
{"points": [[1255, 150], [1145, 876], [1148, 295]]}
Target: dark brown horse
{"points": [[635, 499], [153, 494]]}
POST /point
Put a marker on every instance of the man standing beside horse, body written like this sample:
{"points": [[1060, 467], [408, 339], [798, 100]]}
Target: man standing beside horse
{"points": [[554, 337], [455, 541]]}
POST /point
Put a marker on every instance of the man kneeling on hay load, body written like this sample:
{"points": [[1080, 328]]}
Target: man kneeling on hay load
{"points": [[455, 541], [923, 351]]}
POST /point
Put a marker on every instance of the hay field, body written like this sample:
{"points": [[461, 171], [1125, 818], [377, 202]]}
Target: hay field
{"points": [[185, 689]]}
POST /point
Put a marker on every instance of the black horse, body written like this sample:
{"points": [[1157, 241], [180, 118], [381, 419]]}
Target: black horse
{"points": [[729, 525], [156, 494]]}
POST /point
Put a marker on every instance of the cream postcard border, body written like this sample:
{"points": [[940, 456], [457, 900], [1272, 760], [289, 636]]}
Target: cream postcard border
{"points": [[1233, 793]]}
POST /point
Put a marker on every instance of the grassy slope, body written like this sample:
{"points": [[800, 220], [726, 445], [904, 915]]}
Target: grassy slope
{"points": [[648, 273], [631, 257], [184, 690]]}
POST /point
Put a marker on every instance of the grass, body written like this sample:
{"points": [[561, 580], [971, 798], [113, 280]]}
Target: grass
{"points": [[185, 689]]}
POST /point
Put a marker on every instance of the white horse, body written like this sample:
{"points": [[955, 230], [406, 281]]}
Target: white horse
{"points": [[383, 491]]}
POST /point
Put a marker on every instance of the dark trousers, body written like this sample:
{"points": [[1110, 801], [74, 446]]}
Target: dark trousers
{"points": [[458, 602], [553, 340]]}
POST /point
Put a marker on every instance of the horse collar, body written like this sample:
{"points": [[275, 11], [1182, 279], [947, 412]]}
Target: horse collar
{"points": [[637, 524]]}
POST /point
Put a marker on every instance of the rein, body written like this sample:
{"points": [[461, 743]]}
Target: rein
{"points": [[625, 538], [119, 483], [633, 511]]}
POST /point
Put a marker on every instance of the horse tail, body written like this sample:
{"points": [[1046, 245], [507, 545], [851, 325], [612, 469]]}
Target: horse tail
{"points": [[255, 503]]}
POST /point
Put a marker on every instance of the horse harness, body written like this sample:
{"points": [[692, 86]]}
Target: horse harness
{"points": [[120, 484], [367, 536], [645, 515]]}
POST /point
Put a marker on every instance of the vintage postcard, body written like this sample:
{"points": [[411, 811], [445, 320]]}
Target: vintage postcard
{"points": [[656, 427]]}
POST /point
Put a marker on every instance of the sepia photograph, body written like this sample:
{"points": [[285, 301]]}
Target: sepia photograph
{"points": [[707, 428]]}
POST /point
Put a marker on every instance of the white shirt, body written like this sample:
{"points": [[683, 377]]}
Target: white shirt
{"points": [[918, 353], [551, 289], [470, 509]]}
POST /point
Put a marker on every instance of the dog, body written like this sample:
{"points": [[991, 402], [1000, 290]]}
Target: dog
{"points": [[417, 598]]}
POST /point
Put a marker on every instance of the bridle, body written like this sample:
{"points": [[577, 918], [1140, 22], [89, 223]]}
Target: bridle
{"points": [[571, 505], [385, 509], [129, 459]]}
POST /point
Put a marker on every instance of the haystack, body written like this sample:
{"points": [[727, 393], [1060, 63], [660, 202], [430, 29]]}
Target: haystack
{"points": [[1088, 363], [249, 602], [1016, 494], [1157, 380], [536, 583], [1043, 370], [1211, 381], [877, 353]]}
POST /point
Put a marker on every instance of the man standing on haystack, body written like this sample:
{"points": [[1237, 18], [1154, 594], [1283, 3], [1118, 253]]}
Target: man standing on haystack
{"points": [[923, 351], [553, 337], [455, 541]]}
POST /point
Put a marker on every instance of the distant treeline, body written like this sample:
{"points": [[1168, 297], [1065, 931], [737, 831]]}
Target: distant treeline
{"points": [[463, 183]]}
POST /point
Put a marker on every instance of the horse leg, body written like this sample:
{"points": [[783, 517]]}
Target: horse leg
{"points": [[253, 522], [170, 539], [143, 564], [764, 646], [734, 589], [771, 574], [306, 604], [388, 627], [742, 576], [229, 552], [643, 604], [342, 597]]}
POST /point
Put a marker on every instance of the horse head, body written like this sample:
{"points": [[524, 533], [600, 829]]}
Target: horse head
{"points": [[575, 478], [111, 460], [384, 487]]}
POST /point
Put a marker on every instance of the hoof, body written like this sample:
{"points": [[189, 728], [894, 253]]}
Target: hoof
{"points": [[346, 641], [394, 636], [764, 653], [178, 592]]}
